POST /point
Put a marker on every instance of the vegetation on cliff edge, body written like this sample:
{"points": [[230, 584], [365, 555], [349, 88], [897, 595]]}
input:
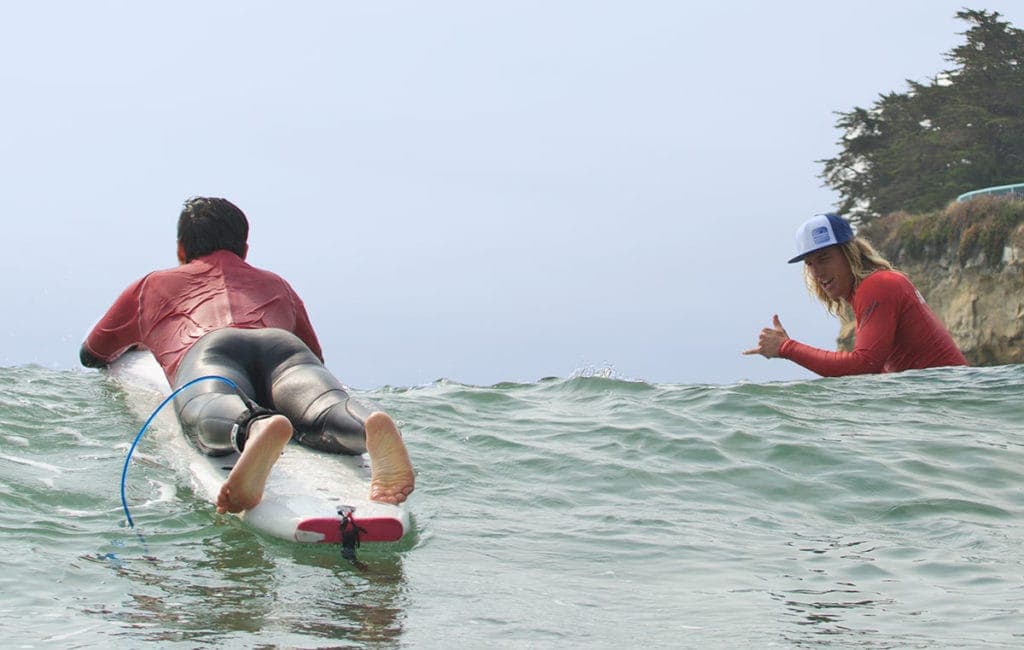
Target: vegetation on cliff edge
{"points": [[968, 233]]}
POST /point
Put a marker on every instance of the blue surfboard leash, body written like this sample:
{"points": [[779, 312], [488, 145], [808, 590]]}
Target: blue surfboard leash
{"points": [[124, 472], [350, 531]]}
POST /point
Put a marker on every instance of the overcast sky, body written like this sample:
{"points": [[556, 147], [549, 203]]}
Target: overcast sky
{"points": [[478, 191]]}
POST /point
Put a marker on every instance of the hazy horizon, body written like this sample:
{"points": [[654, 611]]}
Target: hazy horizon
{"points": [[479, 192]]}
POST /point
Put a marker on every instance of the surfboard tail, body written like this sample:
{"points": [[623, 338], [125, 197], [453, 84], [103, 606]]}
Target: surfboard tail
{"points": [[331, 530]]}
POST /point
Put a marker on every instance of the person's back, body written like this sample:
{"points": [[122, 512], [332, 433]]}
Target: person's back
{"points": [[919, 340], [167, 311]]}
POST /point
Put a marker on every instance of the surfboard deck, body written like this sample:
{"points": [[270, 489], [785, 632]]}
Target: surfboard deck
{"points": [[310, 496]]}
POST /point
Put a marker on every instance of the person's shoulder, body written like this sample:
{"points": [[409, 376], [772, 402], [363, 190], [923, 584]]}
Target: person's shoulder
{"points": [[266, 274], [261, 271], [885, 279], [145, 280], [888, 286], [169, 274], [171, 270], [232, 263]]}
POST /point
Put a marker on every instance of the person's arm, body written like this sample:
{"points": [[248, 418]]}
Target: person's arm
{"points": [[876, 305], [828, 363], [116, 332], [90, 360]]}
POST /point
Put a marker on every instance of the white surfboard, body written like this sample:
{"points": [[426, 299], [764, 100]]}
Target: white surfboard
{"points": [[310, 496]]}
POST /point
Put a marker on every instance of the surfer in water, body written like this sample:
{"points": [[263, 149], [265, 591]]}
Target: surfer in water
{"points": [[214, 314], [895, 328]]}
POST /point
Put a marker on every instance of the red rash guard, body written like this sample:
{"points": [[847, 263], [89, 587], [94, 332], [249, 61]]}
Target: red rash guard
{"points": [[895, 331], [168, 311]]}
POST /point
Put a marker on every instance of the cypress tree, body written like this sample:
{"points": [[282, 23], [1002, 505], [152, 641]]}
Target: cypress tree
{"points": [[917, 150]]}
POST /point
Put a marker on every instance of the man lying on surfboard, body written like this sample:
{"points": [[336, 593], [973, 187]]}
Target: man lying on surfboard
{"points": [[214, 314]]}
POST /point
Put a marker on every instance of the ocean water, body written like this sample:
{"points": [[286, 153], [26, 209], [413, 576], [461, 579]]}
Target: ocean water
{"points": [[591, 512]]}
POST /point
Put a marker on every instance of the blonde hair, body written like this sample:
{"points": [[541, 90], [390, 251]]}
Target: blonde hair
{"points": [[864, 260]]}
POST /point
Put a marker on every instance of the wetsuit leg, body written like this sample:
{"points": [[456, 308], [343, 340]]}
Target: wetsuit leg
{"points": [[324, 415], [208, 410], [276, 369]]}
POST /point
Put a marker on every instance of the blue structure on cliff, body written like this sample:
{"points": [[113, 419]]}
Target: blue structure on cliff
{"points": [[1016, 190]]}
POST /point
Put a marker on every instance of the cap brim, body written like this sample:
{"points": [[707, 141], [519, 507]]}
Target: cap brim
{"points": [[801, 256]]}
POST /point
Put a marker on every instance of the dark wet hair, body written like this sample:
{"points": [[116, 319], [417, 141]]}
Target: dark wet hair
{"points": [[210, 224]]}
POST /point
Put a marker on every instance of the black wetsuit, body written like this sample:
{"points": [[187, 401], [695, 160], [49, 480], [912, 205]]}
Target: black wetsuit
{"points": [[280, 373]]}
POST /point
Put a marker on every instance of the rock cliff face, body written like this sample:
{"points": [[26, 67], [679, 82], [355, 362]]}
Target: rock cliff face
{"points": [[983, 308], [978, 293]]}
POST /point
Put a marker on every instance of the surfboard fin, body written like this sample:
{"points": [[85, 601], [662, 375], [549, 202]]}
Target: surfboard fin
{"points": [[350, 532]]}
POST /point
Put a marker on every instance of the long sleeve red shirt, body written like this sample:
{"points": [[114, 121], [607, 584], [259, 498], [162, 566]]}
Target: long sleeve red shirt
{"points": [[895, 331], [168, 311]]}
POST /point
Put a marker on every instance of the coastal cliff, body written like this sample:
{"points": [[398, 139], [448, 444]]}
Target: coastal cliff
{"points": [[968, 262]]}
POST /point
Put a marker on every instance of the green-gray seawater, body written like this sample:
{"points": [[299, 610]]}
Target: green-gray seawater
{"points": [[880, 511]]}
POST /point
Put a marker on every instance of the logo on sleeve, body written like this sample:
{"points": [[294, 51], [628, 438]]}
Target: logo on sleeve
{"points": [[867, 313]]}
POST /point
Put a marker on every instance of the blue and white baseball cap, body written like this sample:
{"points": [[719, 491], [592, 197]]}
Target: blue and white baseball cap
{"points": [[821, 231]]}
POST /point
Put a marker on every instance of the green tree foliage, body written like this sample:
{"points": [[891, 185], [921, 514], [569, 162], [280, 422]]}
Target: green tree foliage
{"points": [[918, 150]]}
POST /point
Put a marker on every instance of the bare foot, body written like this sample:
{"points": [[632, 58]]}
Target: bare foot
{"points": [[244, 487], [391, 475]]}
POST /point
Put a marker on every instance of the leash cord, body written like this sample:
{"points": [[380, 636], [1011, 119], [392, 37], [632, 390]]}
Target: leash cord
{"points": [[152, 416]]}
